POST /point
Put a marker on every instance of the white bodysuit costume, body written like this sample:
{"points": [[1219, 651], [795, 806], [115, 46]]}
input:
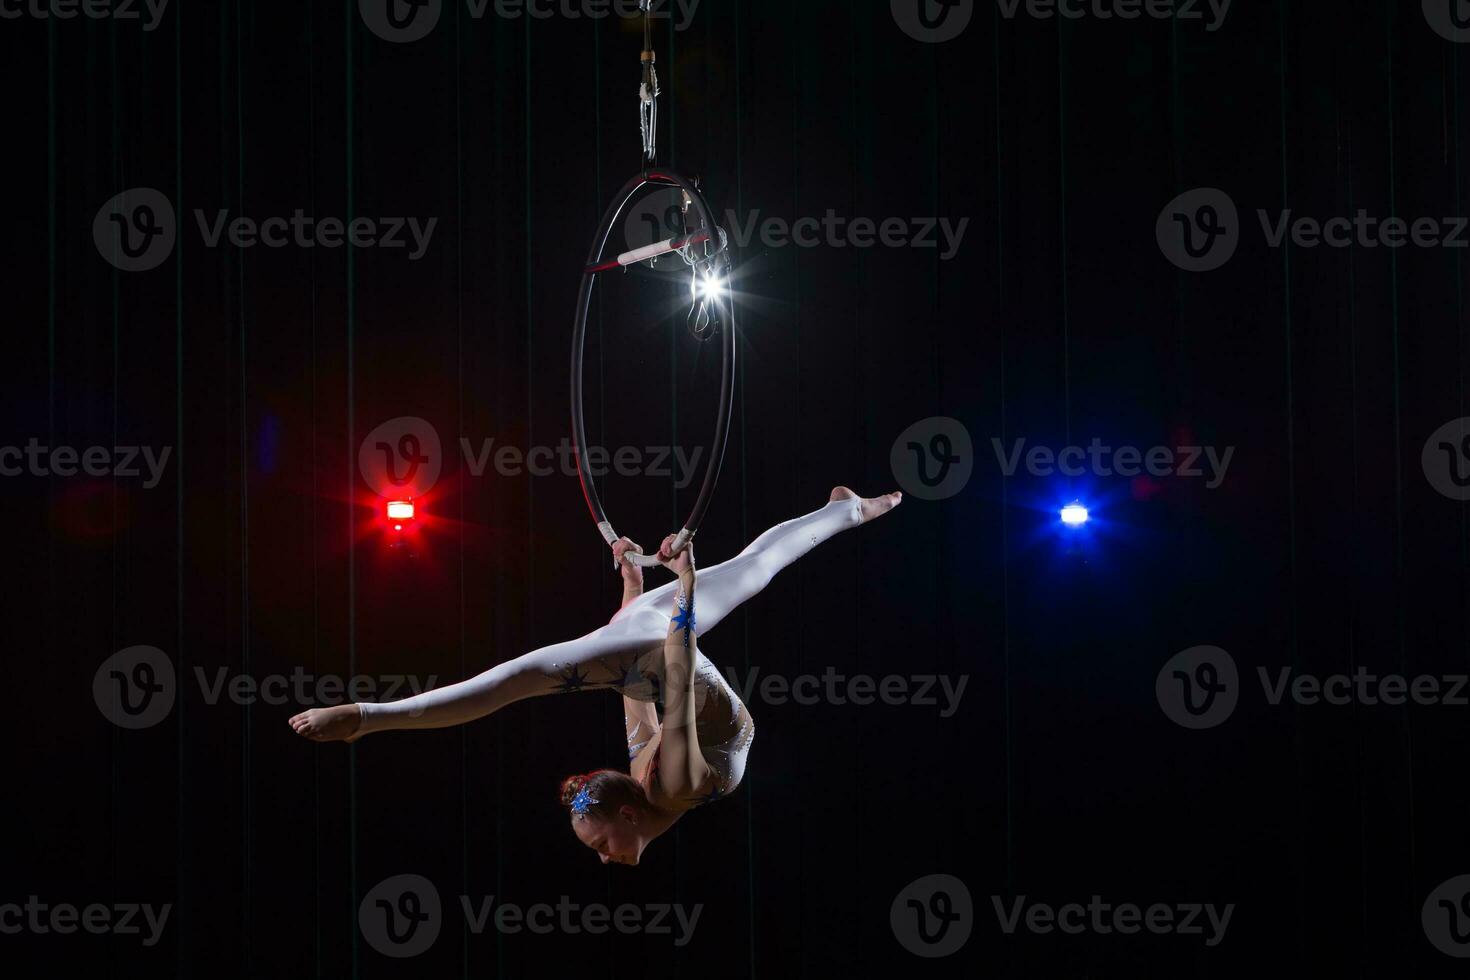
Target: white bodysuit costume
{"points": [[626, 654]]}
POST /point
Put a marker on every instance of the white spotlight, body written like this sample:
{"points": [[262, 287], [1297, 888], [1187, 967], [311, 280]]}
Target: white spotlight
{"points": [[711, 287]]}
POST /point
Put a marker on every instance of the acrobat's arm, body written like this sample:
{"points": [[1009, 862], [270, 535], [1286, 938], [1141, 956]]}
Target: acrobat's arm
{"points": [[632, 574], [682, 771]]}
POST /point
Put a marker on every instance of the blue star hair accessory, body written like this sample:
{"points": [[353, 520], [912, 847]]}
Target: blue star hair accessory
{"points": [[581, 801]]}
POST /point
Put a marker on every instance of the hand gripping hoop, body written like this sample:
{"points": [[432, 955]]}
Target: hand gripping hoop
{"points": [[719, 260]]}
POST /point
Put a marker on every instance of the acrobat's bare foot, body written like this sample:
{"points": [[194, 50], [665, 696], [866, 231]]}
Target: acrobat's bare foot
{"points": [[872, 506], [335, 724]]}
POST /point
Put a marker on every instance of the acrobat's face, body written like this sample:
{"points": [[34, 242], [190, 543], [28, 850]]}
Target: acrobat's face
{"points": [[616, 840]]}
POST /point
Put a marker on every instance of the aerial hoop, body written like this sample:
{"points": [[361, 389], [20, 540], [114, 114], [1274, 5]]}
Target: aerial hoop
{"points": [[713, 311]]}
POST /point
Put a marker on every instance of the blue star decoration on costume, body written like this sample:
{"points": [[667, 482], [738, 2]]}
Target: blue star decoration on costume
{"points": [[685, 619], [635, 681], [572, 680]]}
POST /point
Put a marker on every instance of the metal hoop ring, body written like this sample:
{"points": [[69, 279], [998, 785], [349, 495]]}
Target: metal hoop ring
{"points": [[596, 265]]}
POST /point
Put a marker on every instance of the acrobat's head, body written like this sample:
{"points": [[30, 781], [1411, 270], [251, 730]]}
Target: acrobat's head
{"points": [[610, 813]]}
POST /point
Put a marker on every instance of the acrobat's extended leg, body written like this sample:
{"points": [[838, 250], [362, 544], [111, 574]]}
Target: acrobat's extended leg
{"points": [[611, 657], [724, 586]]}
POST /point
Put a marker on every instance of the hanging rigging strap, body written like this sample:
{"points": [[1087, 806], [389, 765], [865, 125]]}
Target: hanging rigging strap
{"points": [[648, 91]]}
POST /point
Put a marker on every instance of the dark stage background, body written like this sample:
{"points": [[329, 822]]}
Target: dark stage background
{"points": [[1331, 545]]}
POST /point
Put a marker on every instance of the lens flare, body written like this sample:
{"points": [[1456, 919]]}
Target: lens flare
{"points": [[711, 287]]}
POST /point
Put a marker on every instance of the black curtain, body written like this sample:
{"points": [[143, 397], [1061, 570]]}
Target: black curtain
{"points": [[1049, 149]]}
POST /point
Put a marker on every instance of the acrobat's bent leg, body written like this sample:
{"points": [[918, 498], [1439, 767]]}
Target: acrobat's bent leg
{"points": [[724, 586], [610, 657]]}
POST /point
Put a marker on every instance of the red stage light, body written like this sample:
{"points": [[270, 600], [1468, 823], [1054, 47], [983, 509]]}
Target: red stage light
{"points": [[401, 518]]}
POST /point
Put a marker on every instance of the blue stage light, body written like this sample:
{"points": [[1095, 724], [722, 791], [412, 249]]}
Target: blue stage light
{"points": [[1074, 515]]}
